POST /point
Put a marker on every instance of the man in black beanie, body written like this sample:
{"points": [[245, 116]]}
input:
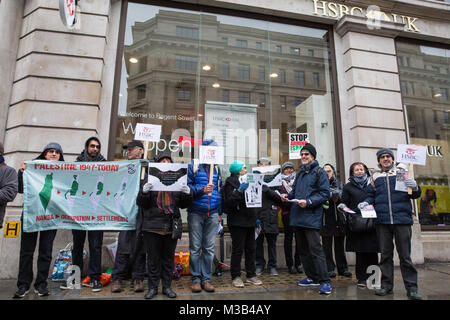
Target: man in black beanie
{"points": [[311, 189]]}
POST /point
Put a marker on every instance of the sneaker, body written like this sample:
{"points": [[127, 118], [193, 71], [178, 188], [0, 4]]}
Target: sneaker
{"points": [[413, 295], [361, 283], [346, 274], [138, 285], [237, 282], [21, 292], [383, 292], [259, 271], [41, 290], [254, 280], [116, 286], [307, 282], [196, 287], [96, 285], [273, 272], [207, 286], [325, 288]]}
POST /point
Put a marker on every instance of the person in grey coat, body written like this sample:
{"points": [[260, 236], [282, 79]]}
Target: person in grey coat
{"points": [[8, 185]]}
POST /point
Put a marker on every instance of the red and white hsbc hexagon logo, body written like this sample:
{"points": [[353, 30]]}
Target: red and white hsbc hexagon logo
{"points": [[67, 12]]}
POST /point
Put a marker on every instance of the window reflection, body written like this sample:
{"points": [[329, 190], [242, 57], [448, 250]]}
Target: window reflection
{"points": [[247, 83], [425, 82]]}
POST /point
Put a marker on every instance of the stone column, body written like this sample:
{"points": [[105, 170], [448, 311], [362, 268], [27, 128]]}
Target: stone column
{"points": [[61, 89], [370, 98]]}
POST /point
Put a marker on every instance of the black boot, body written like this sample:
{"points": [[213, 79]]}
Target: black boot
{"points": [[168, 292], [151, 293]]}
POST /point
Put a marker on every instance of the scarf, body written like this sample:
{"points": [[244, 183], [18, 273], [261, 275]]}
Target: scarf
{"points": [[288, 181], [164, 201], [362, 181]]}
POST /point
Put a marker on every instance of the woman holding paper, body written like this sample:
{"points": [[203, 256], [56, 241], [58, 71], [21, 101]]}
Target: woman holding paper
{"points": [[241, 222], [364, 244], [159, 209]]}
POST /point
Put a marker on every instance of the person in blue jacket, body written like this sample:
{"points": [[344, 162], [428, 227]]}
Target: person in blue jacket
{"points": [[394, 220], [311, 189], [204, 215]]}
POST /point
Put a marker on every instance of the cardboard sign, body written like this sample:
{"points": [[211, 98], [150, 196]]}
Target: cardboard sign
{"points": [[147, 132], [296, 142], [408, 153], [167, 176], [211, 155]]}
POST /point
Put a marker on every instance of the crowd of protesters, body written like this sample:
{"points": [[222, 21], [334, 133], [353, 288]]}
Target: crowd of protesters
{"points": [[312, 202]]}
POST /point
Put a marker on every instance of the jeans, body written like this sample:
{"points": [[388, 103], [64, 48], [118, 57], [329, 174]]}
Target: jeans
{"points": [[202, 239], [312, 254], [242, 240], [95, 239], [160, 251], [271, 248], [386, 234], [339, 253], [27, 245]]}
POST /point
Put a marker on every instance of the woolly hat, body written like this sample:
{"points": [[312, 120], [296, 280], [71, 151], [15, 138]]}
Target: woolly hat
{"points": [[384, 151], [287, 165], [311, 149], [236, 167]]}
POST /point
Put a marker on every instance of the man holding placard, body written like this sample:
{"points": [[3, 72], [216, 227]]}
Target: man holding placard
{"points": [[204, 214], [394, 219]]}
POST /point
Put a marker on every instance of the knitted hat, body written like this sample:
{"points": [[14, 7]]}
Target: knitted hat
{"points": [[310, 148], [236, 167], [265, 160], [287, 165], [384, 151]]}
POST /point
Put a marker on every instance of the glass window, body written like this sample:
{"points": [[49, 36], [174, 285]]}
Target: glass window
{"points": [[425, 96], [190, 102], [294, 50], [241, 43], [243, 71]]}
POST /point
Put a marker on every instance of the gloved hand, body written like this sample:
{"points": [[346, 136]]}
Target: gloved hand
{"points": [[326, 205], [411, 183], [185, 189], [147, 187], [362, 205], [243, 187], [342, 207]]}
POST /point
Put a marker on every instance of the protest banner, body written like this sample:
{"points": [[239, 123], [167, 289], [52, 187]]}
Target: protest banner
{"points": [[272, 175], [80, 195], [296, 142], [167, 176], [412, 154]]}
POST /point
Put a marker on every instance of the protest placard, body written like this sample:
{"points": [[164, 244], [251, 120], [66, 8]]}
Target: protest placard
{"points": [[412, 154], [167, 176], [253, 194], [272, 175], [147, 132], [296, 142]]}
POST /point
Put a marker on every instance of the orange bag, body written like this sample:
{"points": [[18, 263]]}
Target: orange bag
{"points": [[182, 258], [105, 278]]}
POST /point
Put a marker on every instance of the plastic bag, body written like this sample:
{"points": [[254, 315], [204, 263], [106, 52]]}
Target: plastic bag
{"points": [[62, 261], [177, 269], [105, 278]]}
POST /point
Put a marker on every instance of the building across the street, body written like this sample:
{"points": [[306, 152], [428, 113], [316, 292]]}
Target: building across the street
{"points": [[355, 76]]}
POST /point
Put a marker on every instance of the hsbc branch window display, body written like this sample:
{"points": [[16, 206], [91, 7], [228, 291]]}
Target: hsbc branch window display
{"points": [[425, 86], [243, 82]]}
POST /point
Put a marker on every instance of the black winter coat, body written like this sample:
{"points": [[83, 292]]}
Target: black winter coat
{"points": [[153, 218], [238, 215], [333, 223], [352, 194], [268, 213]]}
